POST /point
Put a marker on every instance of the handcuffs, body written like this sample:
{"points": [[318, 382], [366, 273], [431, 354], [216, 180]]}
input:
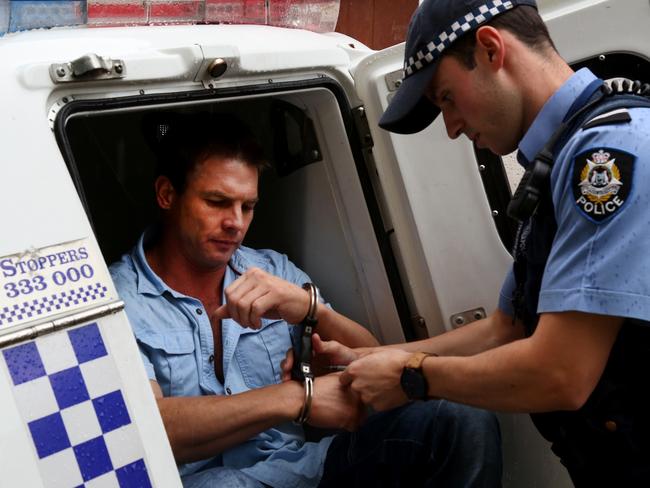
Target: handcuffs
{"points": [[302, 369]]}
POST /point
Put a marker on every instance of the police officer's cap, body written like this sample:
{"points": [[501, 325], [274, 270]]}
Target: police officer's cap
{"points": [[435, 25]]}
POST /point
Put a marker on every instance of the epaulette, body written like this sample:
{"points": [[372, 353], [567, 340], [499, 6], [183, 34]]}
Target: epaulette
{"points": [[618, 116]]}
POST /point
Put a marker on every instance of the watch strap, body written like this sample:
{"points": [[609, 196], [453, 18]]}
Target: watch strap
{"points": [[416, 360]]}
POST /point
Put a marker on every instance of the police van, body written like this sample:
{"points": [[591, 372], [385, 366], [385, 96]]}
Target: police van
{"points": [[406, 234]]}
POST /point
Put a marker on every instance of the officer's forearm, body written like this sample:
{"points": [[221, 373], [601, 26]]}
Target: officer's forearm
{"points": [[555, 369], [482, 335], [503, 379]]}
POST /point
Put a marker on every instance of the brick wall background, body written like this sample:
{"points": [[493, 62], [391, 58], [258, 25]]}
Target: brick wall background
{"points": [[376, 23]]}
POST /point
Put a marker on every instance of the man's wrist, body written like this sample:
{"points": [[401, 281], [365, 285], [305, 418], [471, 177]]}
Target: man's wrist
{"points": [[305, 411], [292, 395], [311, 317]]}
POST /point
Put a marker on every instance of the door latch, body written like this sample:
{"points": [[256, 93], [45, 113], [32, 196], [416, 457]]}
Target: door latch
{"points": [[393, 82], [88, 67]]}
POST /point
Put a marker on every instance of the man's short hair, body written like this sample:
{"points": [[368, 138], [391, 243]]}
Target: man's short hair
{"points": [[524, 22], [182, 142]]}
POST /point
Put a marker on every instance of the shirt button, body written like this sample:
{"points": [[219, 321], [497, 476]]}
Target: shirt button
{"points": [[228, 391], [211, 358], [611, 426], [199, 311]]}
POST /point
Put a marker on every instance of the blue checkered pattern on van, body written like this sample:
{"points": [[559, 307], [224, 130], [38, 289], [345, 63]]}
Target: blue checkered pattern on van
{"points": [[67, 389], [57, 301]]}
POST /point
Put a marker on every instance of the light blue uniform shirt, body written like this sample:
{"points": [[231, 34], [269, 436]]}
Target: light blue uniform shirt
{"points": [[596, 267], [175, 338]]}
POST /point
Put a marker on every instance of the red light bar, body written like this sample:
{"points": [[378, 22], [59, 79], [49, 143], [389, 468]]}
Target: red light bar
{"points": [[316, 15], [190, 11]]}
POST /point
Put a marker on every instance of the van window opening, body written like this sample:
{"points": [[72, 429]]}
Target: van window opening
{"points": [[299, 214]]}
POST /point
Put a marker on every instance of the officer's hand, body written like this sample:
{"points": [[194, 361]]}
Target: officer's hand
{"points": [[332, 352], [335, 406], [376, 378], [257, 294]]}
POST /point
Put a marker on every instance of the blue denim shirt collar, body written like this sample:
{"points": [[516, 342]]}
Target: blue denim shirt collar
{"points": [[149, 283], [552, 114]]}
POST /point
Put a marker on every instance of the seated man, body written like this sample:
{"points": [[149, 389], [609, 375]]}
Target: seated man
{"points": [[212, 320]]}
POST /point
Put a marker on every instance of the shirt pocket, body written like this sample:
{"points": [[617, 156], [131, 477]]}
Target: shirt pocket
{"points": [[174, 361], [259, 353]]}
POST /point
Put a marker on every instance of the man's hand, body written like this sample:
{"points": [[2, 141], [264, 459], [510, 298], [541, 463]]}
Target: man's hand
{"points": [[335, 406], [376, 378], [286, 365], [257, 294]]}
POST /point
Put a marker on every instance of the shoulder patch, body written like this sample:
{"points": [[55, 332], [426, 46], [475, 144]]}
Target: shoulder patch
{"points": [[619, 116], [602, 180]]}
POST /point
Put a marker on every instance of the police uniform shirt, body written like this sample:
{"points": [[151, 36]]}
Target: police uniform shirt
{"points": [[600, 258]]}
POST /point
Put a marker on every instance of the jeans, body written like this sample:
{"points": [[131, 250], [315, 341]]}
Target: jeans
{"points": [[423, 444]]}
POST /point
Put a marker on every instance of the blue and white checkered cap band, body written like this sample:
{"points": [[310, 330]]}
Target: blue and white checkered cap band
{"points": [[471, 21]]}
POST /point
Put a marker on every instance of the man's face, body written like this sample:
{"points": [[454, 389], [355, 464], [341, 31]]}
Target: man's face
{"points": [[478, 103], [212, 215]]}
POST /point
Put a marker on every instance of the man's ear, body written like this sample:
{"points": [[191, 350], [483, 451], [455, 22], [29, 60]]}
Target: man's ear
{"points": [[490, 47], [165, 192]]}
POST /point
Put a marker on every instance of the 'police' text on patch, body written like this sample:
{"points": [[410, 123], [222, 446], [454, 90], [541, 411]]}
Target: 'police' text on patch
{"points": [[602, 180]]}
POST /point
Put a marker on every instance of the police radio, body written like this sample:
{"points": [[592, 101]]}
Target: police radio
{"points": [[536, 179], [531, 187]]}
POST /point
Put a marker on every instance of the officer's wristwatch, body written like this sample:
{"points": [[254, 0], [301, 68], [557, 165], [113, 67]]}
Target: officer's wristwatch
{"points": [[413, 381]]}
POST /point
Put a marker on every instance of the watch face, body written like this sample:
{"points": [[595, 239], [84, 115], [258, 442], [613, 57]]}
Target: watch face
{"points": [[414, 384]]}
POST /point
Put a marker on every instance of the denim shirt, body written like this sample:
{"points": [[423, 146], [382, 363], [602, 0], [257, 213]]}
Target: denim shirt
{"points": [[174, 334], [593, 267]]}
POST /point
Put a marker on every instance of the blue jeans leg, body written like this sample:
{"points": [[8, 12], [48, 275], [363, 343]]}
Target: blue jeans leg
{"points": [[220, 478], [423, 444]]}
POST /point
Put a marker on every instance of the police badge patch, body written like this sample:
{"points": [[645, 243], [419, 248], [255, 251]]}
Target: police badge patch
{"points": [[602, 180]]}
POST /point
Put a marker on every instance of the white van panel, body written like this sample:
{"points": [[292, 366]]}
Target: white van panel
{"points": [[39, 205], [601, 26]]}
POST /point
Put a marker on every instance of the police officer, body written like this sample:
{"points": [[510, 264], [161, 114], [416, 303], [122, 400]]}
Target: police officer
{"points": [[570, 341]]}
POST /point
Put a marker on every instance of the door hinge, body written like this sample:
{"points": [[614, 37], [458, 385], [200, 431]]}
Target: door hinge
{"points": [[363, 128], [464, 318], [393, 82], [29, 333]]}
